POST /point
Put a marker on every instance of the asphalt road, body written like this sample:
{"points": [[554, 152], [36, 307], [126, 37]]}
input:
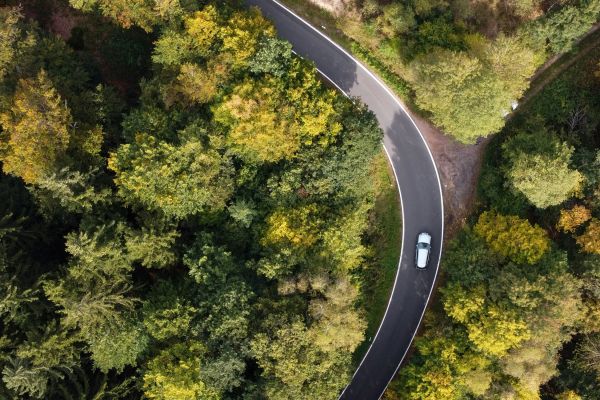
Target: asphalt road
{"points": [[420, 192]]}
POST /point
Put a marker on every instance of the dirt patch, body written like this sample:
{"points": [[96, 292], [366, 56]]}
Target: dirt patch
{"points": [[459, 166], [336, 7]]}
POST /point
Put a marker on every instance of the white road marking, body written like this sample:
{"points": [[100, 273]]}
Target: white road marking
{"points": [[391, 94]]}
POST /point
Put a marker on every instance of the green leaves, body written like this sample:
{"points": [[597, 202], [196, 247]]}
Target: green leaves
{"points": [[174, 374], [468, 93], [540, 168], [235, 163], [178, 180]]}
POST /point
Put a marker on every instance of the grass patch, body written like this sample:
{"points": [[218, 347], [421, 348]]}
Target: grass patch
{"points": [[384, 236], [394, 81], [362, 49]]}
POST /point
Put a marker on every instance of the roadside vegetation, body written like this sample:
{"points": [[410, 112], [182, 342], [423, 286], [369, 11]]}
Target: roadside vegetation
{"points": [[463, 64], [186, 211], [384, 236], [519, 310]]}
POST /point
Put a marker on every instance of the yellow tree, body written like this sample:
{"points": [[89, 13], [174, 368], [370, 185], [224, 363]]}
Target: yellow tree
{"points": [[292, 227], [174, 374], [261, 129], [269, 122], [513, 237], [204, 29], [572, 218], [590, 239], [241, 36], [36, 131]]}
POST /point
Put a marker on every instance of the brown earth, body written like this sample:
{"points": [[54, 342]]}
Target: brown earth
{"points": [[458, 166]]}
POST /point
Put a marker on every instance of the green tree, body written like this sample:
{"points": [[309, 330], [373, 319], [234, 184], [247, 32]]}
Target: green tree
{"points": [[177, 180], [295, 368], [588, 354], [174, 374], [273, 57], [167, 312], [396, 18], [126, 13], [70, 191], [15, 42], [539, 168], [468, 94], [153, 248], [93, 295], [559, 30], [118, 345]]}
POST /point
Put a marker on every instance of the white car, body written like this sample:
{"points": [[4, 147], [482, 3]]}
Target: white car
{"points": [[423, 250]]}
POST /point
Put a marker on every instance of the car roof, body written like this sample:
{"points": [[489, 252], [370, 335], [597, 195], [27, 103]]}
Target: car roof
{"points": [[422, 258]]}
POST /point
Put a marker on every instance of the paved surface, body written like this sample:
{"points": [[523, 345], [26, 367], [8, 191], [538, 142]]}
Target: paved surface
{"points": [[422, 208]]}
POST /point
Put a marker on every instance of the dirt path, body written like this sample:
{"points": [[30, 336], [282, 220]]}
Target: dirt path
{"points": [[557, 64], [459, 166]]}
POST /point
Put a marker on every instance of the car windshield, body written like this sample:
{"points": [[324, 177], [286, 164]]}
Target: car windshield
{"points": [[422, 245]]}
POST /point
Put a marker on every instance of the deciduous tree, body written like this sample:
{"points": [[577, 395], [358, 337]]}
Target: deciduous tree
{"points": [[35, 133], [590, 239], [513, 237], [177, 180]]}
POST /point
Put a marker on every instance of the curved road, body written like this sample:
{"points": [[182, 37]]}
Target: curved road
{"points": [[421, 197]]}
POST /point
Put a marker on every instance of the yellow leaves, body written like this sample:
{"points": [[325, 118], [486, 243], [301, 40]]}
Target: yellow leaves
{"points": [[342, 241], [513, 237], [590, 239], [238, 36], [195, 84], [296, 227], [337, 325], [204, 28], [572, 218], [36, 130], [174, 374], [493, 329], [497, 330], [461, 305], [269, 122], [242, 33], [259, 129], [569, 395]]}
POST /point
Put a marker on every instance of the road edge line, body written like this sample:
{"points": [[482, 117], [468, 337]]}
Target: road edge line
{"points": [[400, 191]]}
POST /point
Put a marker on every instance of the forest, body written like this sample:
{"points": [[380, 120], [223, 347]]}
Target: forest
{"points": [[518, 313], [188, 212], [182, 208], [463, 64]]}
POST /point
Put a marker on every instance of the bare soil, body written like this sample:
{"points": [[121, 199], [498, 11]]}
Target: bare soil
{"points": [[459, 166], [336, 7]]}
